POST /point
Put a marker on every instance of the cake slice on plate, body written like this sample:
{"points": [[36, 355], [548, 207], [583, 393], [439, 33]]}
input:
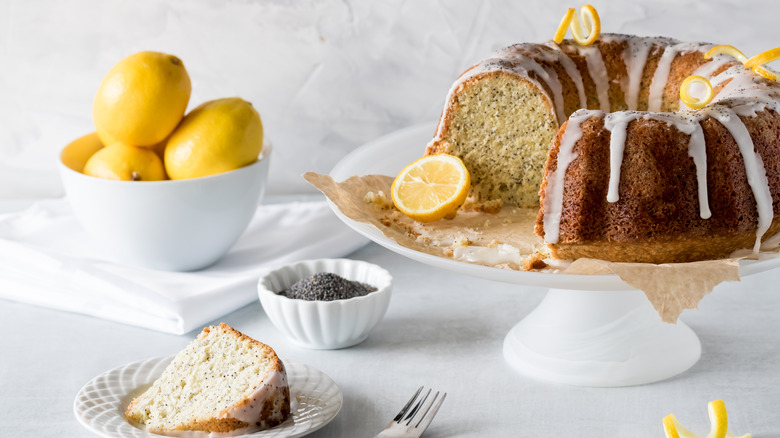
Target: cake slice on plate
{"points": [[223, 381]]}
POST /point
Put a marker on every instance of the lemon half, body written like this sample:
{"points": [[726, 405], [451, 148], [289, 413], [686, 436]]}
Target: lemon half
{"points": [[431, 188]]}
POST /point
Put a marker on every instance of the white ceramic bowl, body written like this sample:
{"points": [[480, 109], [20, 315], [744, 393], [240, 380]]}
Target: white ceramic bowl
{"points": [[174, 225], [326, 324]]}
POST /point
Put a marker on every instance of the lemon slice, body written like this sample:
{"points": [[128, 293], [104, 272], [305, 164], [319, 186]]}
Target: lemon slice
{"points": [[431, 188]]}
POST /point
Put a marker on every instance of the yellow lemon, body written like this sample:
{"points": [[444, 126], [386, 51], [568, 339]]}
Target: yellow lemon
{"points": [[76, 154], [120, 161], [159, 149], [217, 136], [141, 99], [431, 188]]}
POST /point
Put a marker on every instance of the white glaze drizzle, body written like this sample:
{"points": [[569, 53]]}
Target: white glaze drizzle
{"points": [[754, 167], [519, 65], [697, 150], [662, 70], [635, 57], [743, 95], [572, 70], [598, 73], [553, 199], [525, 63], [709, 68], [491, 256], [745, 92], [617, 124], [249, 413], [687, 123]]}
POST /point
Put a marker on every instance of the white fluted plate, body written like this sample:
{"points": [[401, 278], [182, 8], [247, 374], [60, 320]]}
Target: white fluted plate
{"points": [[100, 404]]}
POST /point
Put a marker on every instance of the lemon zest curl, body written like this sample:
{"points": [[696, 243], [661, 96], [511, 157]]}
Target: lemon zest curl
{"points": [[588, 22]]}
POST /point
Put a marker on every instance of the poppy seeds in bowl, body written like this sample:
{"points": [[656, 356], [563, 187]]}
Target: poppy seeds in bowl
{"points": [[325, 286]]}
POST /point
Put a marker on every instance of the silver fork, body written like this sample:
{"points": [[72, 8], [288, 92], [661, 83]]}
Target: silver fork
{"points": [[412, 421]]}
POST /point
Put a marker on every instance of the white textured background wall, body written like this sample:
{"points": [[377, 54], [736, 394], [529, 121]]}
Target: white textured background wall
{"points": [[326, 75]]}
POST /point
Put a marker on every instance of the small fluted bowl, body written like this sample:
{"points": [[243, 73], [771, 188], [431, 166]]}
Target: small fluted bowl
{"points": [[326, 325]]}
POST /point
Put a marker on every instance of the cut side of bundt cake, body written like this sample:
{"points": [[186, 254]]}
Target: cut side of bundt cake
{"points": [[223, 381], [501, 128], [597, 139]]}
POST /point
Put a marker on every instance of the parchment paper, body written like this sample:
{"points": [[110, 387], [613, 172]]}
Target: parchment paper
{"points": [[671, 288]]}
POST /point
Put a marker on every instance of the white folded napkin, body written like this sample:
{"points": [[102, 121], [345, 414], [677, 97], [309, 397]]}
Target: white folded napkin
{"points": [[47, 259]]}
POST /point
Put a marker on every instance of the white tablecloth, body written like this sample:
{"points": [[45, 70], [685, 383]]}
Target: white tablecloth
{"points": [[47, 259], [442, 330]]}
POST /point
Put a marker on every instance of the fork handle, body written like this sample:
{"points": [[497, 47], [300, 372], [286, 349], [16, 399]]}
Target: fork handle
{"points": [[393, 432]]}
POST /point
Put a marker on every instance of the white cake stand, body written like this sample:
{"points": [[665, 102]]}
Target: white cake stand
{"points": [[589, 330]]}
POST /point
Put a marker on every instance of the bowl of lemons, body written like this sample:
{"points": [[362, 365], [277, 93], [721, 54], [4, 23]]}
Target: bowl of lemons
{"points": [[159, 188]]}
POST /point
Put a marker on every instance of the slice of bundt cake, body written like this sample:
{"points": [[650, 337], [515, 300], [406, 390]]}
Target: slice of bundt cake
{"points": [[224, 381]]}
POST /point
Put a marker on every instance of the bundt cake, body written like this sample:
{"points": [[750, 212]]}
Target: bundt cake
{"points": [[596, 137], [223, 382]]}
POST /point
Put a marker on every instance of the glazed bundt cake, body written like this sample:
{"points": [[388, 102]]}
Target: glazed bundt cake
{"points": [[596, 137], [223, 382]]}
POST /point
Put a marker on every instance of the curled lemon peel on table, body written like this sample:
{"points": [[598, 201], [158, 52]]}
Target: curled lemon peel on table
{"points": [[718, 424], [588, 22]]}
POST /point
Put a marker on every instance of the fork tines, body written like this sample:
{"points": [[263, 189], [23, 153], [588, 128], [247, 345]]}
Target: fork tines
{"points": [[422, 408]]}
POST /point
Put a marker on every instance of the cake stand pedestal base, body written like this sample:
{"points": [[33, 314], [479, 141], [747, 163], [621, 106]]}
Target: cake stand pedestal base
{"points": [[599, 338]]}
